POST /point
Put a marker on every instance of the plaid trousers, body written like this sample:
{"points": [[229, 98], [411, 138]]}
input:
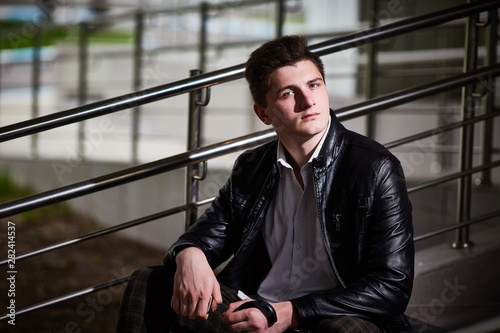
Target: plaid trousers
{"points": [[146, 307]]}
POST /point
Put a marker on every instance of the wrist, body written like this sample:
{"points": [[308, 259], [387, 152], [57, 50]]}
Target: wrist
{"points": [[186, 252], [287, 315]]}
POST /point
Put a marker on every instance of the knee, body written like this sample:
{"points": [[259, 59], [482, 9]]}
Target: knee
{"points": [[141, 273], [144, 303]]}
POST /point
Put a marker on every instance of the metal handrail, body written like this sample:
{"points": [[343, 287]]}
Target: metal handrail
{"points": [[67, 297], [134, 173], [451, 227], [93, 289], [106, 231], [452, 176], [219, 149], [150, 95], [131, 14], [410, 94], [403, 26], [119, 103], [181, 208], [205, 153], [440, 129]]}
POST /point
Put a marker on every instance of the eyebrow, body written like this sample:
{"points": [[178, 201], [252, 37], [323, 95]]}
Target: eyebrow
{"points": [[316, 79], [319, 78]]}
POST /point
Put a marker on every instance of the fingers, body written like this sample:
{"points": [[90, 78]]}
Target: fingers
{"points": [[193, 308], [233, 318], [233, 306], [247, 320], [216, 296], [180, 306], [194, 285]]}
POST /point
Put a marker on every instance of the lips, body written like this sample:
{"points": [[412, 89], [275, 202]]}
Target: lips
{"points": [[310, 116]]}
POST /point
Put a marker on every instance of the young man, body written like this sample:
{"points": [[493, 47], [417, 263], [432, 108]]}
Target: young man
{"points": [[318, 224]]}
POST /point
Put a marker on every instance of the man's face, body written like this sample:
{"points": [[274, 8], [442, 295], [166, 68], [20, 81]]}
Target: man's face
{"points": [[297, 103]]}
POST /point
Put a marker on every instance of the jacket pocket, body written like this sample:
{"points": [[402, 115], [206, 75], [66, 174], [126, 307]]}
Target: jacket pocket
{"points": [[349, 219]]}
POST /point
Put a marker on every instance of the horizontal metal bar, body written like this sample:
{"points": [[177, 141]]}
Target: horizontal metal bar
{"points": [[216, 77], [157, 11], [66, 297], [105, 231], [439, 130], [407, 95], [208, 152], [400, 27], [454, 226], [90, 290], [181, 160], [134, 173], [119, 103], [212, 6], [97, 288], [452, 176], [96, 234]]}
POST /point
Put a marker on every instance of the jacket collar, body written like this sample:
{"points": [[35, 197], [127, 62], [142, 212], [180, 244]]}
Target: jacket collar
{"points": [[281, 156], [332, 146]]}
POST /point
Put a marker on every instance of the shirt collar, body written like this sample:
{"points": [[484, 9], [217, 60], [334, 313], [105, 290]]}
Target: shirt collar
{"points": [[281, 157]]}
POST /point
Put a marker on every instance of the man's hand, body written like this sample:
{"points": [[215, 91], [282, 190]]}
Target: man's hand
{"points": [[253, 320], [194, 284]]}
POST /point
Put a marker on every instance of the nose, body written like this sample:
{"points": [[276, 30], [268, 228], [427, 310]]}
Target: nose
{"points": [[307, 100]]}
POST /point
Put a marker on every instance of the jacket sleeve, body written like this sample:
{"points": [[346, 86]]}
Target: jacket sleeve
{"points": [[384, 284], [220, 230], [208, 233]]}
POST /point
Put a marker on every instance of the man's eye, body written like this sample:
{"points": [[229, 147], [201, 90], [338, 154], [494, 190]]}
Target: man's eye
{"points": [[287, 93]]}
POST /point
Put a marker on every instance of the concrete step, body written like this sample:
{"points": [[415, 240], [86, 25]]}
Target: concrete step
{"points": [[456, 288]]}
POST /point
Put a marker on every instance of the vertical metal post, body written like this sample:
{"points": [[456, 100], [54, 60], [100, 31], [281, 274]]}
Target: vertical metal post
{"points": [[371, 69], [467, 136], [83, 51], [204, 7], [194, 138], [280, 17], [139, 34], [35, 88], [489, 102]]}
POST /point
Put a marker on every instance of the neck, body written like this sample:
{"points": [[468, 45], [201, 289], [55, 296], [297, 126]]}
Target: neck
{"points": [[296, 167], [299, 152], [298, 155]]}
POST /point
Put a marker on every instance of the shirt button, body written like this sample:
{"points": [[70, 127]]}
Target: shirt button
{"points": [[299, 246]]}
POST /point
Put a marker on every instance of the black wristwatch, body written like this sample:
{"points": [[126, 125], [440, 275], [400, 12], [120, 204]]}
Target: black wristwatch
{"points": [[266, 308]]}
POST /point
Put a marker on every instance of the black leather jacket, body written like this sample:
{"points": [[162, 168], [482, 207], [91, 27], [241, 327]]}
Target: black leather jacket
{"points": [[365, 217]]}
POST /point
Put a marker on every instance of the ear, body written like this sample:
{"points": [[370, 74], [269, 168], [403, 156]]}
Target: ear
{"points": [[260, 111]]}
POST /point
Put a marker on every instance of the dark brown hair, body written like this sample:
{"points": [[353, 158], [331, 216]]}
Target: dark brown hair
{"points": [[272, 55]]}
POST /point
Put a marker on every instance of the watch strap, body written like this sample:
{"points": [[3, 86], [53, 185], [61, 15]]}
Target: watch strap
{"points": [[266, 308]]}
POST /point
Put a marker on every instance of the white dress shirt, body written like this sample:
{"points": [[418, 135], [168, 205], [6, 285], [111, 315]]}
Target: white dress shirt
{"points": [[292, 235]]}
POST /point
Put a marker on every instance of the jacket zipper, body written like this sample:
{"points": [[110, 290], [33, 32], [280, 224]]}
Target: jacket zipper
{"points": [[326, 242]]}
